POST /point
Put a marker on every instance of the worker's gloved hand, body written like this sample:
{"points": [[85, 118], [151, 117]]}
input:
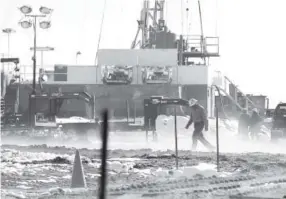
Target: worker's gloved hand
{"points": [[206, 128]]}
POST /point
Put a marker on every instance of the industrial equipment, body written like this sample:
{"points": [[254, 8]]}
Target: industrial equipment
{"points": [[44, 110], [278, 129]]}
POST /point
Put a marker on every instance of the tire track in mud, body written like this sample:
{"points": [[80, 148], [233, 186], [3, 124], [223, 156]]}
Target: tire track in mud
{"points": [[203, 187]]}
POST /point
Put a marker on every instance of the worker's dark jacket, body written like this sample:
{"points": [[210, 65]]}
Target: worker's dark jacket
{"points": [[243, 123], [198, 115], [254, 121]]}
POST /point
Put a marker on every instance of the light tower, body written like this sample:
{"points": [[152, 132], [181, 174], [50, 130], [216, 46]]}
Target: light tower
{"points": [[31, 20], [8, 31]]}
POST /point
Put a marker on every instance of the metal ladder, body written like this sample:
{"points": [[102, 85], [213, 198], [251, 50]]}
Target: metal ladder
{"points": [[2, 109]]}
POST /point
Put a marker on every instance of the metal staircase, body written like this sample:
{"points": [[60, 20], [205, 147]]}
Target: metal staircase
{"points": [[231, 98], [2, 106], [237, 99], [2, 110], [250, 104]]}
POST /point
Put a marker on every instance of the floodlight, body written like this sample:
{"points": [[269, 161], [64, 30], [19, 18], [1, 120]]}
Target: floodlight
{"points": [[45, 10], [45, 24], [25, 24], [8, 30], [26, 9]]}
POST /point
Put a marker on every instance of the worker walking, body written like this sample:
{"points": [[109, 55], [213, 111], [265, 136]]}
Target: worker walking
{"points": [[243, 124], [199, 118]]}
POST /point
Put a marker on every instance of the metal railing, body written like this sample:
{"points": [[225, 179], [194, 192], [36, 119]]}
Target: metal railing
{"points": [[198, 44], [25, 74]]}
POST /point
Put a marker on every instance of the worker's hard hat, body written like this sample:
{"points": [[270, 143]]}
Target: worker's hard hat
{"points": [[193, 102], [244, 110], [255, 110]]}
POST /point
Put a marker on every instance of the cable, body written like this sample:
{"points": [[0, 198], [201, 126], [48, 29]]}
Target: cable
{"points": [[166, 11], [100, 32], [216, 20], [201, 19], [182, 18]]}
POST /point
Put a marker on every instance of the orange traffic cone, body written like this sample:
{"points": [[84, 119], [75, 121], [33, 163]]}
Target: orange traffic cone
{"points": [[78, 178]]}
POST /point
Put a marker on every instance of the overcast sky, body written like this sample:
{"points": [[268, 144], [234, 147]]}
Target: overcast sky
{"points": [[252, 34]]}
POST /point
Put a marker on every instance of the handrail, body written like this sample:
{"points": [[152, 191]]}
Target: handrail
{"points": [[231, 98], [202, 45], [249, 100]]}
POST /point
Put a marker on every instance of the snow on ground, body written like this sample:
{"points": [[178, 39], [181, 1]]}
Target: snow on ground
{"points": [[28, 169], [229, 141]]}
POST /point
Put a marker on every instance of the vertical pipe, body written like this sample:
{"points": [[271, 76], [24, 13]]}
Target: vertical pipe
{"points": [[147, 129], [9, 44], [212, 101], [181, 46], [201, 22], [42, 59], [127, 111], [93, 107], [34, 58], [217, 140], [25, 73], [176, 136], [246, 104], [104, 133], [177, 74], [9, 69], [225, 84], [135, 111], [30, 112], [182, 18], [138, 68]]}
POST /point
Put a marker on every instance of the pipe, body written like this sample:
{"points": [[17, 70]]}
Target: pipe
{"points": [[176, 137], [217, 130], [217, 140], [104, 133], [127, 110]]}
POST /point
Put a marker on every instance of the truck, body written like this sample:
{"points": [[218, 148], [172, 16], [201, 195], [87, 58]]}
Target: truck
{"points": [[278, 129]]}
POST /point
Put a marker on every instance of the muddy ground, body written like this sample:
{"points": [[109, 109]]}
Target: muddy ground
{"points": [[37, 176]]}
